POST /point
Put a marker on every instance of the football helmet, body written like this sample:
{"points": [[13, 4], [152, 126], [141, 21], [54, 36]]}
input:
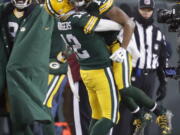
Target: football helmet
{"points": [[21, 4], [58, 8]]}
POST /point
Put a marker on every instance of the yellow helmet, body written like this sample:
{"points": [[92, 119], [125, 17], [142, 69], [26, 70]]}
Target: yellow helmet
{"points": [[58, 8]]}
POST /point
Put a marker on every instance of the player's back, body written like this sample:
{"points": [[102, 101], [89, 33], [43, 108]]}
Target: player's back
{"points": [[90, 47]]}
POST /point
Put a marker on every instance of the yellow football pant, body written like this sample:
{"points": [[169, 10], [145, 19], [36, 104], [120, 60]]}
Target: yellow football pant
{"points": [[122, 71], [102, 92], [54, 84]]}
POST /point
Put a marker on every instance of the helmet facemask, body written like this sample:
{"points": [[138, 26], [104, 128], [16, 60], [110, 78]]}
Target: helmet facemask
{"points": [[21, 4], [80, 3]]}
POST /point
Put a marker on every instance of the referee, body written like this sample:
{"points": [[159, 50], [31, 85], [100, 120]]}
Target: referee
{"points": [[152, 46]]}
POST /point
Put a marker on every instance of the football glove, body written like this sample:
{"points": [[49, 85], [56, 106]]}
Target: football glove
{"points": [[119, 55]]}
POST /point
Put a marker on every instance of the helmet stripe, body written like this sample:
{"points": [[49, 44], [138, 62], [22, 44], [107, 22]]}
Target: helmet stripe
{"points": [[50, 8], [47, 8]]}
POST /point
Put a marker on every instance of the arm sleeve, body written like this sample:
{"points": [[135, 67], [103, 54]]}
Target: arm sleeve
{"points": [[88, 23], [105, 7], [107, 25]]}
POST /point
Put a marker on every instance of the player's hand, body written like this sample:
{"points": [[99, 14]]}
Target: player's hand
{"points": [[119, 55], [161, 92]]}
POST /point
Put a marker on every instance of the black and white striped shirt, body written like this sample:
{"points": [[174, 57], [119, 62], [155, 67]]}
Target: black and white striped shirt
{"points": [[151, 44]]}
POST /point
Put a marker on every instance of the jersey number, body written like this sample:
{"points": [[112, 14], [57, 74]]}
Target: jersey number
{"points": [[73, 41], [13, 28]]}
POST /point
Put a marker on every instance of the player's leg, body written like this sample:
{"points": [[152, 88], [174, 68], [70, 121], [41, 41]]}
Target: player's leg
{"points": [[103, 100], [131, 94], [81, 109], [93, 100], [140, 118], [110, 105], [122, 71], [122, 74], [56, 86], [163, 115], [85, 109]]}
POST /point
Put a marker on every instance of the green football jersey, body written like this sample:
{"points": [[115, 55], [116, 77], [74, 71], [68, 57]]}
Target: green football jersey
{"points": [[13, 28], [57, 46], [99, 8], [91, 50]]}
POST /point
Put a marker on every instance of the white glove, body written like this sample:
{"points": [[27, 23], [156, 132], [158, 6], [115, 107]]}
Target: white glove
{"points": [[119, 55]]}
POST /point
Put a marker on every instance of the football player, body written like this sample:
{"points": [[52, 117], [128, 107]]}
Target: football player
{"points": [[95, 65]]}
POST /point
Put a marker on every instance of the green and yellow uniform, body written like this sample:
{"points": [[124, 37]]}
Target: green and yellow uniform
{"points": [[122, 71], [57, 79], [95, 66]]}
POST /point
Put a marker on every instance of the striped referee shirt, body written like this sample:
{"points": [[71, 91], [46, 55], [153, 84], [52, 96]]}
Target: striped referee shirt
{"points": [[151, 44]]}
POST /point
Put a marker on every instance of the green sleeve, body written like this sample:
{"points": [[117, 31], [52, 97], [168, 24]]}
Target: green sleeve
{"points": [[87, 23], [57, 44], [100, 7]]}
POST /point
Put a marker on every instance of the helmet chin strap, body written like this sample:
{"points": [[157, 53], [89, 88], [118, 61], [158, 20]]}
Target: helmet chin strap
{"points": [[21, 9]]}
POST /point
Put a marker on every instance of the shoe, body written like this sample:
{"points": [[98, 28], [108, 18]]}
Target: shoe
{"points": [[141, 123], [164, 122]]}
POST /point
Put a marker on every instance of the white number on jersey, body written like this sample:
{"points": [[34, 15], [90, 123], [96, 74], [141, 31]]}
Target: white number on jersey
{"points": [[13, 27], [72, 40]]}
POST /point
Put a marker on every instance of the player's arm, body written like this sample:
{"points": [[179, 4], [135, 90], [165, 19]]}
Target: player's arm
{"points": [[107, 25], [117, 15], [93, 23]]}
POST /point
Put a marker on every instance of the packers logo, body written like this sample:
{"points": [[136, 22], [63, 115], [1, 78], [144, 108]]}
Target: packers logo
{"points": [[54, 65]]}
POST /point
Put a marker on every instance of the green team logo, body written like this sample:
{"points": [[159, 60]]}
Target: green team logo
{"points": [[54, 65]]}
